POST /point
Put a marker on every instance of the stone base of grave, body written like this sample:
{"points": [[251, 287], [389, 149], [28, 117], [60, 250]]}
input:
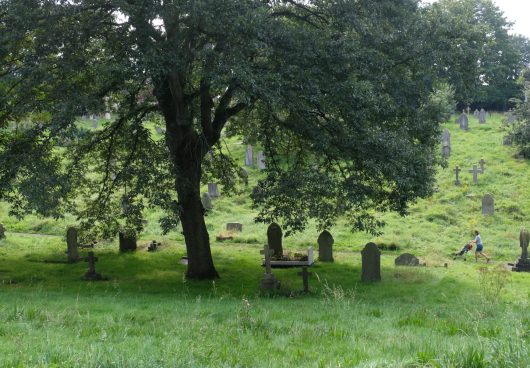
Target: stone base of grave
{"points": [[93, 276], [269, 282], [522, 265]]}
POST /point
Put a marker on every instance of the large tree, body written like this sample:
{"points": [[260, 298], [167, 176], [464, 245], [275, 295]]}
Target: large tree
{"points": [[339, 94]]}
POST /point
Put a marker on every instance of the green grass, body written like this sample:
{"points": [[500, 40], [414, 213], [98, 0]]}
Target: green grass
{"points": [[147, 315]]}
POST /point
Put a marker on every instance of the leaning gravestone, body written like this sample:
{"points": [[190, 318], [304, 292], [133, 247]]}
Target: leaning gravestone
{"points": [[2, 231], [249, 156], [207, 201], [482, 116], [407, 259], [487, 205], [325, 246], [371, 263], [523, 263], [234, 226], [127, 242], [71, 244], [463, 121], [213, 190], [274, 239]]}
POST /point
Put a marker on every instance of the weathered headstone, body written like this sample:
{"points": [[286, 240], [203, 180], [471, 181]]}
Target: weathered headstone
{"points": [[468, 110], [487, 205], [261, 160], [127, 241], [463, 121], [476, 113], [482, 163], [91, 274], [107, 115], [407, 259], [71, 244], [249, 156], [475, 173], [2, 231], [523, 263], [274, 239], [243, 175], [446, 136], [206, 201], [268, 281], [234, 226], [325, 246], [482, 116], [371, 263], [446, 149], [457, 171], [305, 276], [213, 190]]}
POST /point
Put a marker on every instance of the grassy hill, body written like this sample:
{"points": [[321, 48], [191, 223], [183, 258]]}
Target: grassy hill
{"points": [[148, 315]]}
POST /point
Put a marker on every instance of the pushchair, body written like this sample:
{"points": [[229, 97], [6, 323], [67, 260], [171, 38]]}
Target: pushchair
{"points": [[463, 252]]}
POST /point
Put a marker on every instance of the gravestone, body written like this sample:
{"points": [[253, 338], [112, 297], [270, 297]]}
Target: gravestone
{"points": [[325, 246], [457, 171], [94, 124], [371, 263], [446, 149], [468, 110], [206, 201], [305, 277], [475, 173], [107, 116], [523, 263], [268, 281], [481, 163], [2, 231], [71, 244], [91, 274], [213, 190], [510, 118], [407, 259], [127, 241], [476, 113], [446, 136], [249, 156], [463, 121], [274, 239], [159, 130], [261, 160], [482, 116], [234, 226], [487, 205], [243, 175]]}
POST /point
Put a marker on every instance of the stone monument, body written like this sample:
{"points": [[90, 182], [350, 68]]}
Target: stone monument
{"points": [[371, 263]]}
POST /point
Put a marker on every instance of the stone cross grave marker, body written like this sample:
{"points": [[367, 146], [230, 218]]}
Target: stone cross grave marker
{"points": [[91, 274], [463, 121], [261, 160], [481, 163], [482, 116], [213, 190], [274, 238], [457, 171], [371, 263], [523, 263], [305, 276], [487, 205], [206, 201], [325, 246], [234, 226], [468, 110], [475, 173], [71, 244], [2, 231], [268, 281], [249, 156]]}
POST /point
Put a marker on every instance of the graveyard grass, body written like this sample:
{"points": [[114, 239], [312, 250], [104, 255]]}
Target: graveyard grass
{"points": [[147, 315]]}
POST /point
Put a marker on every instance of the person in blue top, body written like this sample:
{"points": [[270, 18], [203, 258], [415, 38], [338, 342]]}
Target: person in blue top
{"points": [[480, 247]]}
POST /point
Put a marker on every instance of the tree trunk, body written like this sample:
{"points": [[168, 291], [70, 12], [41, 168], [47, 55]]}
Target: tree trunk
{"points": [[200, 262]]}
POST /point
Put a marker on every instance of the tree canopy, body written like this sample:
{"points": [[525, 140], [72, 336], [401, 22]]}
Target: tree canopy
{"points": [[340, 94]]}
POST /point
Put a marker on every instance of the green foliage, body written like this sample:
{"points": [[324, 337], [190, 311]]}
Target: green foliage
{"points": [[520, 132]]}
